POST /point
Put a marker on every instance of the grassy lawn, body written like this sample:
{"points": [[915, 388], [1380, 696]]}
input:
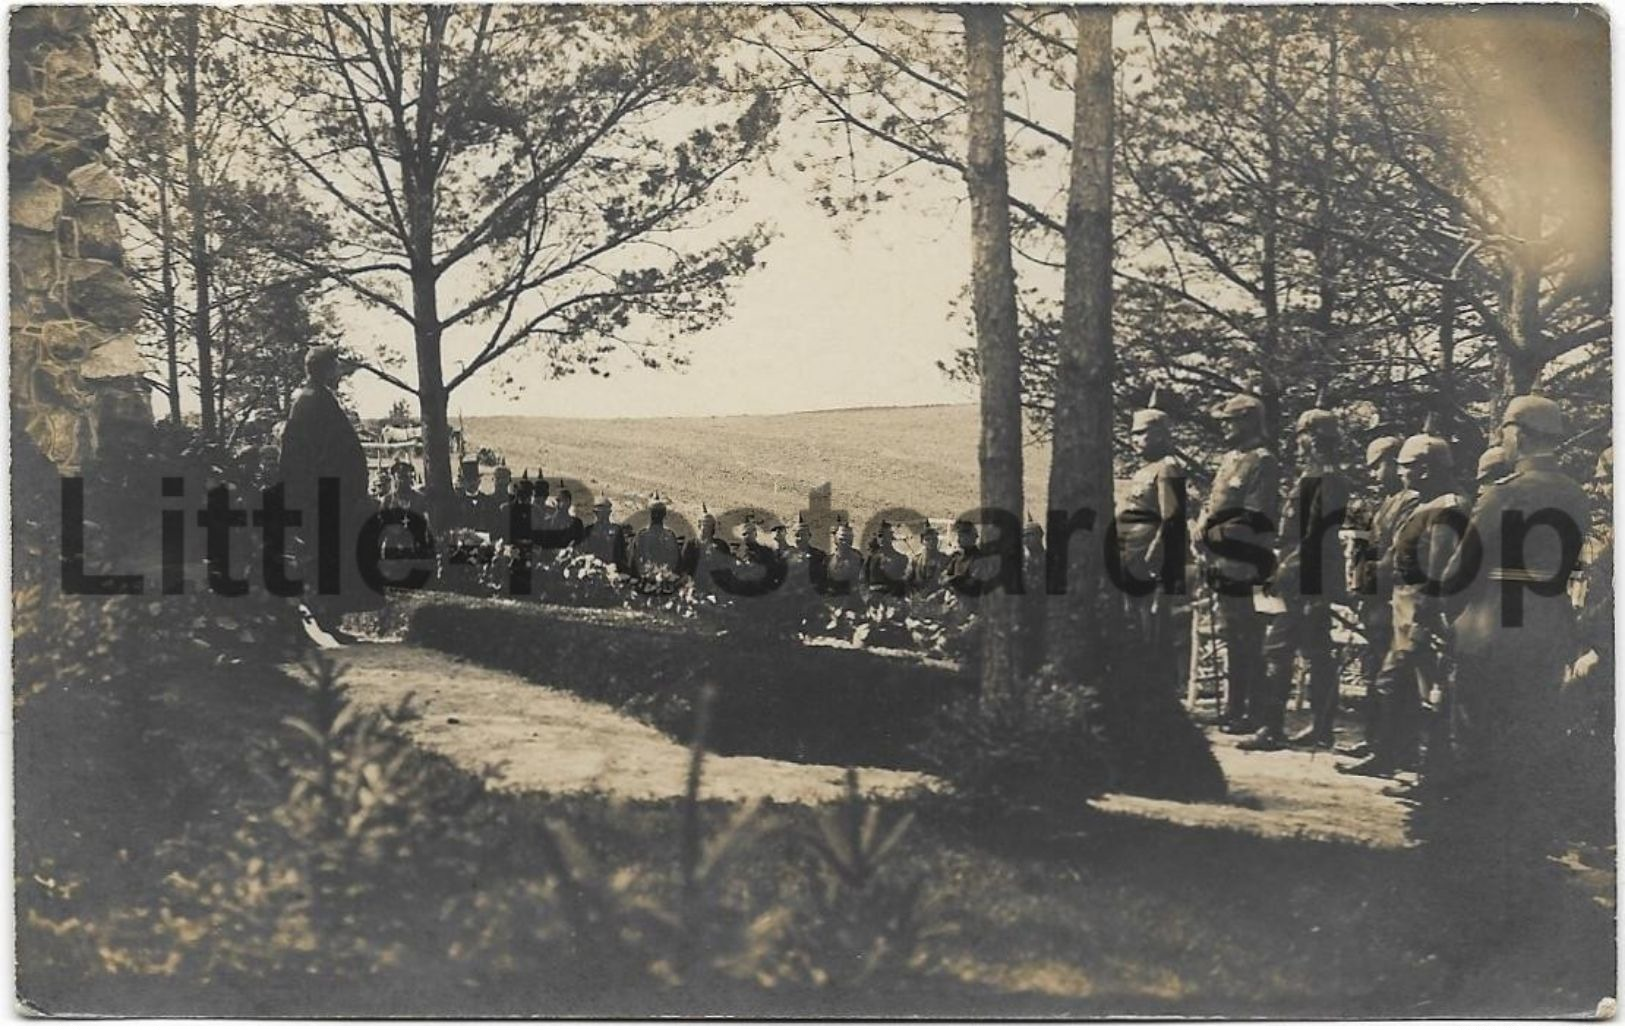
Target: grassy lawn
{"points": [[169, 867]]}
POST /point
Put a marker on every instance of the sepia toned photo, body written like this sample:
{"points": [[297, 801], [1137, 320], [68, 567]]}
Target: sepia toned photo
{"points": [[823, 512]]}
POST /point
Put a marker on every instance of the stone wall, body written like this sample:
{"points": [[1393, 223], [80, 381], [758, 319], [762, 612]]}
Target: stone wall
{"points": [[75, 371]]}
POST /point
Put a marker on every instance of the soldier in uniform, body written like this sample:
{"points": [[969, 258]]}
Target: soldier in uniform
{"points": [[1412, 673], [656, 551], [465, 555], [1315, 509], [806, 563], [781, 542], [496, 508], [885, 570], [1492, 465], [521, 499], [604, 539], [1515, 633], [1154, 501], [1597, 597], [1370, 575], [960, 571], [706, 554], [843, 570], [926, 568], [268, 473], [1237, 526], [763, 566], [518, 507], [754, 549]]}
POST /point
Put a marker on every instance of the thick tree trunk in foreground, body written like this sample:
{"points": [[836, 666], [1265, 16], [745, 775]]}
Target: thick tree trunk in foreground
{"points": [[1081, 463], [998, 343]]}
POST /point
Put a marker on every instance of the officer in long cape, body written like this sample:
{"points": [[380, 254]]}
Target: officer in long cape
{"points": [[1516, 631]]}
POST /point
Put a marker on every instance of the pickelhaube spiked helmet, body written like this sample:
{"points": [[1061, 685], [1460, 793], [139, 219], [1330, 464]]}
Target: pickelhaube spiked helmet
{"points": [[1427, 446], [1150, 415], [1318, 419]]}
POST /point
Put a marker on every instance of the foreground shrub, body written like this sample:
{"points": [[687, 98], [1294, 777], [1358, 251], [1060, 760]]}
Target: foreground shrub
{"points": [[1038, 748], [855, 921]]}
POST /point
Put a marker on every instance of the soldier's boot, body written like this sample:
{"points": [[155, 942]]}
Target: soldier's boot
{"points": [[1272, 698], [1266, 739], [1323, 701]]}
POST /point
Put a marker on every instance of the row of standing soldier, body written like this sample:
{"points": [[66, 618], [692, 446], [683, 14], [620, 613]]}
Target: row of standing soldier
{"points": [[1467, 634]]}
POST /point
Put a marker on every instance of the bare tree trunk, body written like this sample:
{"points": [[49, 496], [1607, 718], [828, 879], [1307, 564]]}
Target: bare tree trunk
{"points": [[222, 372], [1081, 461], [432, 395], [998, 342], [1521, 362], [1269, 271], [1447, 348], [420, 175], [166, 244], [198, 208], [1326, 256]]}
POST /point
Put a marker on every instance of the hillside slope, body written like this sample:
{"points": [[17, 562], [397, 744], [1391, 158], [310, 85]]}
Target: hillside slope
{"points": [[923, 458]]}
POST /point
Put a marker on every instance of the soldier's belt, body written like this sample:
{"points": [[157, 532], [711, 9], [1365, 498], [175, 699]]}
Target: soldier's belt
{"points": [[1136, 517], [1517, 576]]}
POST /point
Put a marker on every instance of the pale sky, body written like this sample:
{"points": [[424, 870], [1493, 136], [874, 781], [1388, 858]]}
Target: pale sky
{"points": [[825, 322]]}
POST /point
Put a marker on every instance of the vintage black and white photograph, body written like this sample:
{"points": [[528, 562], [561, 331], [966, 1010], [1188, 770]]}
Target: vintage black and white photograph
{"points": [[812, 511]]}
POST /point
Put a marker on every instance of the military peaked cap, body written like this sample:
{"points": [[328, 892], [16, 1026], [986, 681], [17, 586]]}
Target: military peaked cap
{"points": [[1380, 448], [1537, 414], [1240, 406], [1426, 446], [1493, 463]]}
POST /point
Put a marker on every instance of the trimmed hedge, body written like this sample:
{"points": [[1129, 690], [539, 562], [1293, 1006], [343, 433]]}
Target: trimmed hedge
{"points": [[780, 698], [777, 698]]}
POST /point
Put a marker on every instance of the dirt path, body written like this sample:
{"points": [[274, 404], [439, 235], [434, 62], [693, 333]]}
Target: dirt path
{"points": [[524, 737], [1296, 794]]}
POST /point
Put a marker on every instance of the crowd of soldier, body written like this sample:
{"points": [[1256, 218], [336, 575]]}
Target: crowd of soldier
{"points": [[1463, 603], [522, 521]]}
